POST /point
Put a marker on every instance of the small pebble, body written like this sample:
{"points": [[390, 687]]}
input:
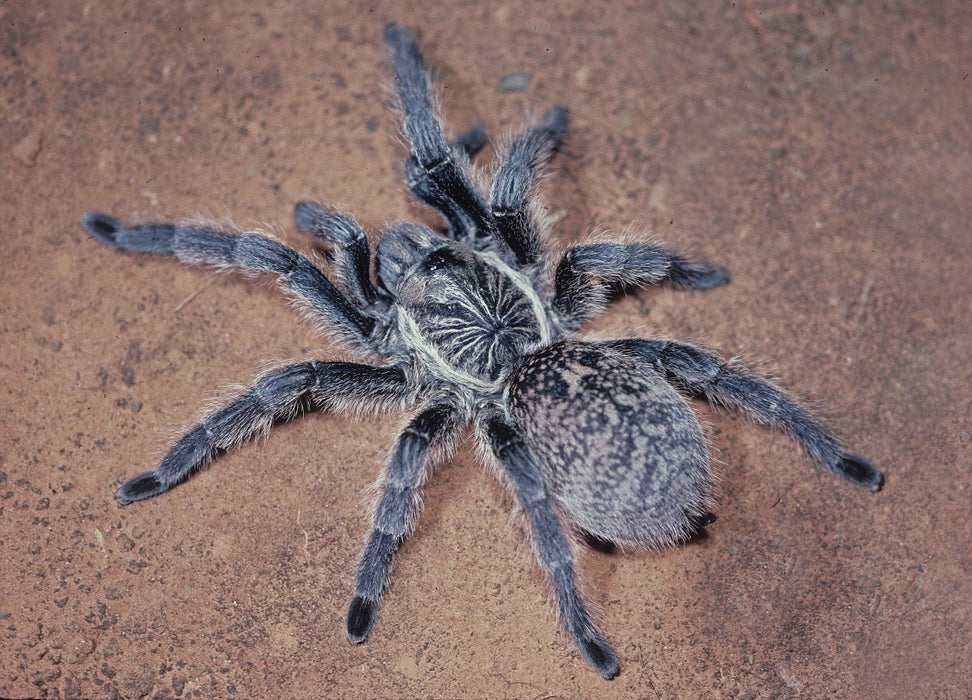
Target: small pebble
{"points": [[514, 82]]}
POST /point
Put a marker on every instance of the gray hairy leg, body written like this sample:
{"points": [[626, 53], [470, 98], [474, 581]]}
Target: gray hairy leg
{"points": [[352, 260], [422, 186], [703, 372], [588, 272], [550, 545], [277, 395], [514, 179], [445, 177], [252, 252], [398, 507]]}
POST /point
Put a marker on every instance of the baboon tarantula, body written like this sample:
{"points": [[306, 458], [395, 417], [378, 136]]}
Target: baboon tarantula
{"points": [[474, 329]]}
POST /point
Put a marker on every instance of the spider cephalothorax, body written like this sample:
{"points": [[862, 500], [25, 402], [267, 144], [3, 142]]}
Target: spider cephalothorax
{"points": [[464, 311], [475, 330]]}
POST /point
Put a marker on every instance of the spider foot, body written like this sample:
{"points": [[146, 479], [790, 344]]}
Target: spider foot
{"points": [[700, 276], [361, 618], [600, 655], [860, 471], [103, 227], [471, 142], [698, 525], [139, 488], [598, 544]]}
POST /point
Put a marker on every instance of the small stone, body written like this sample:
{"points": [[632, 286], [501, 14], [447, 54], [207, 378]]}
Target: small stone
{"points": [[28, 148], [514, 82]]}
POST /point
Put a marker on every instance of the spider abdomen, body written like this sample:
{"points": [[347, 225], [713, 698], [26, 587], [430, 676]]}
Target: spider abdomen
{"points": [[620, 451]]}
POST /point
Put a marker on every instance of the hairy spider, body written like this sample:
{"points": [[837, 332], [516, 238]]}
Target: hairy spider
{"points": [[473, 329]]}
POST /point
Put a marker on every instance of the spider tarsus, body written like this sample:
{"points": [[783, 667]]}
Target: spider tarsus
{"points": [[600, 655], [697, 528], [598, 544], [471, 142], [860, 471], [103, 227], [405, 53], [307, 215], [555, 118], [701, 276], [397, 36], [361, 618], [139, 488]]}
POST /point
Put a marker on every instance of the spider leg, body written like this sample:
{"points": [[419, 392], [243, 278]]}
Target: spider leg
{"points": [[422, 186], [470, 142], [397, 510], [703, 372], [277, 395], [550, 545], [254, 252], [353, 260], [508, 198], [445, 183], [598, 544], [589, 271]]}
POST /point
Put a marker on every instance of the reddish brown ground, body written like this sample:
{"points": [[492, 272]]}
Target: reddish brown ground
{"points": [[822, 154]]}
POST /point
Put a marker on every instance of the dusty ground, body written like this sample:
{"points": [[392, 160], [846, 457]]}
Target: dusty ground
{"points": [[823, 155]]}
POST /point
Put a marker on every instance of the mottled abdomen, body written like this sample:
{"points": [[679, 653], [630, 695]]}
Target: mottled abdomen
{"points": [[621, 453]]}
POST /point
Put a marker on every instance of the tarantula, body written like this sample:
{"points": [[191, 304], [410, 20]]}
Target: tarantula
{"points": [[471, 328]]}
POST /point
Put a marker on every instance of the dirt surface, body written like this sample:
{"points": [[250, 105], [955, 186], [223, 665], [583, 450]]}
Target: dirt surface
{"points": [[824, 156]]}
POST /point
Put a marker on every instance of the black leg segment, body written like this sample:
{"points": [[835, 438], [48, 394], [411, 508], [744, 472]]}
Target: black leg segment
{"points": [[278, 395], [461, 225], [352, 256], [508, 200]]}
